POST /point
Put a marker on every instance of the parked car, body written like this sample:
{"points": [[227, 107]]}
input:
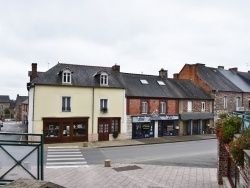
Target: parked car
{"points": [[1, 124]]}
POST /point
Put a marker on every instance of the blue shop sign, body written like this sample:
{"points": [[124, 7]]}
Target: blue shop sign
{"points": [[140, 119]]}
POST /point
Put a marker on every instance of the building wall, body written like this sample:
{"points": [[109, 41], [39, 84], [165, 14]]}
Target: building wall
{"points": [[48, 103], [134, 106], [196, 105]]}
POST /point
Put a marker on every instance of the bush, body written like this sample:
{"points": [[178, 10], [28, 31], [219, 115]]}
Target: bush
{"points": [[115, 134], [237, 146], [226, 128]]}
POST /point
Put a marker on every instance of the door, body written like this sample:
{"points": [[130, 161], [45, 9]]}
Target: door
{"points": [[103, 133], [67, 132]]}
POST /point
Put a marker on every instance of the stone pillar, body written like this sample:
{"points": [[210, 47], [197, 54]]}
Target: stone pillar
{"points": [[246, 169], [222, 163]]}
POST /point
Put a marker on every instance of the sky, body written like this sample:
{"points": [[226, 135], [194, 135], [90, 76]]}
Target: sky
{"points": [[142, 36]]}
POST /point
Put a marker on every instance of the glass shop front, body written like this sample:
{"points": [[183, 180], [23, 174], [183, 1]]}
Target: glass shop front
{"points": [[142, 127]]}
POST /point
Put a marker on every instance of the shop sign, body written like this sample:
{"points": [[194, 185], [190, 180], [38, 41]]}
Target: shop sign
{"points": [[140, 119], [145, 126], [170, 117]]}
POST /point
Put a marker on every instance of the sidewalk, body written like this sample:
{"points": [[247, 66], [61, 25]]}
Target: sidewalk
{"points": [[134, 175], [117, 143]]}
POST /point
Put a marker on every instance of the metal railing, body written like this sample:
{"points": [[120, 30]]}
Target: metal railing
{"points": [[21, 158]]}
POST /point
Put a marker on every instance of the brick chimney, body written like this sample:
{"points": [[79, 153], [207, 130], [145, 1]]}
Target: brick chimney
{"points": [[220, 67], [234, 70], [116, 68], [34, 71], [175, 75], [163, 73]]}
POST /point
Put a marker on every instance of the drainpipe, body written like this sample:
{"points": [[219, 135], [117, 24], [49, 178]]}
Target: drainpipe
{"points": [[93, 96]]}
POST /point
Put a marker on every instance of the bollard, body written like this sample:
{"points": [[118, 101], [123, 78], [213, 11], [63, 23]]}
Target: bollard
{"points": [[27, 165], [107, 163], [85, 144]]}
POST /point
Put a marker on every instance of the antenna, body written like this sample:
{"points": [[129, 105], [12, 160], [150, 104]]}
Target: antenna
{"points": [[48, 65]]}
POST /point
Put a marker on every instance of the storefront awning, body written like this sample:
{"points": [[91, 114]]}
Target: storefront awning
{"points": [[196, 116]]}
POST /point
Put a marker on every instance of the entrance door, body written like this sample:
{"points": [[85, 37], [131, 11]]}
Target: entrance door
{"points": [[66, 133], [103, 130]]}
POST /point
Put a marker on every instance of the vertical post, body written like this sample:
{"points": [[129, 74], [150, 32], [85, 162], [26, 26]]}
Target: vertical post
{"points": [[42, 144], [156, 129]]}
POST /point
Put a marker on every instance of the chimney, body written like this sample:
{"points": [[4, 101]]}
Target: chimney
{"points": [[220, 67], [234, 70], [163, 73], [116, 68], [34, 71], [175, 75]]}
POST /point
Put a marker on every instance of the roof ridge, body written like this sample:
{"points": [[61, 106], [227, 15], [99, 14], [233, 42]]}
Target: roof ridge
{"points": [[140, 74], [84, 65]]}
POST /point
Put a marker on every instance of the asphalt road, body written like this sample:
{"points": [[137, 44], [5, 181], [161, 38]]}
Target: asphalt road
{"points": [[193, 153]]}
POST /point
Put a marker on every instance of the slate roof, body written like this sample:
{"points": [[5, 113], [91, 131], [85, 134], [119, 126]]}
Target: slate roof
{"points": [[216, 80], [236, 79], [83, 75], [245, 76], [184, 89], [87, 76], [4, 99], [20, 99]]}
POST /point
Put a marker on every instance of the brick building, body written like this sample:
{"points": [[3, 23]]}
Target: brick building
{"points": [[229, 90]]}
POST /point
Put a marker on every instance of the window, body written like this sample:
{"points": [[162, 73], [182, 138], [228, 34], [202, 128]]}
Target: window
{"points": [[104, 79], [238, 102], [66, 77], [189, 106], [104, 105], [162, 107], [115, 125], [144, 81], [203, 106], [225, 101], [161, 83], [144, 108], [66, 106]]}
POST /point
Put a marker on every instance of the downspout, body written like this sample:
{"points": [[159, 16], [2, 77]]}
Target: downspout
{"points": [[93, 96]]}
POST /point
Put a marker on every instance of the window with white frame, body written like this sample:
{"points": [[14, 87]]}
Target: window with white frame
{"points": [[104, 79], [203, 106], [162, 107], [189, 106], [144, 108], [66, 77], [104, 105], [225, 102], [238, 102], [66, 104]]}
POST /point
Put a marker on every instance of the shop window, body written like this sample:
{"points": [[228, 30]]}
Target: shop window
{"points": [[144, 107], [79, 129], [189, 106], [52, 129], [225, 102], [163, 108], [104, 79], [66, 104], [104, 105], [203, 106], [66, 77]]}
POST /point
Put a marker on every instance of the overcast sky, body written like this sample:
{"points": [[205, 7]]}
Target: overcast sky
{"points": [[142, 36]]}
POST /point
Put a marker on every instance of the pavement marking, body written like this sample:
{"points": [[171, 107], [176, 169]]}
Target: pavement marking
{"points": [[86, 166], [59, 147], [61, 152], [65, 157], [66, 163]]}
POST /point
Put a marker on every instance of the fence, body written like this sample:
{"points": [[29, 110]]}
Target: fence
{"points": [[20, 158]]}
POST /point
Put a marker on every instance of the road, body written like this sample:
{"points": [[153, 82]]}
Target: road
{"points": [[12, 126], [193, 154]]}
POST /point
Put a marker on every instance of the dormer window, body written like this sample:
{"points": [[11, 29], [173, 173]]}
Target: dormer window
{"points": [[104, 79], [66, 76]]}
